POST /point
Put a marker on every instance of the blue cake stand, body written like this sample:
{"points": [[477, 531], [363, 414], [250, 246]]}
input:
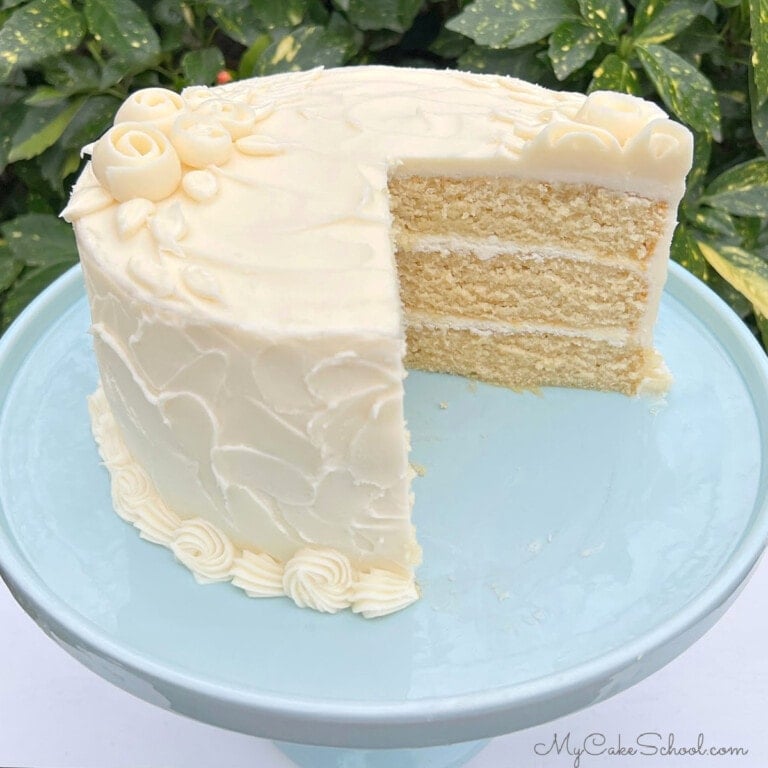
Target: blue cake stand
{"points": [[574, 543]]}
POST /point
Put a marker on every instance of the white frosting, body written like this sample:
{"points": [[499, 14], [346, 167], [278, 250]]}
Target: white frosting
{"points": [[381, 592], [158, 106], [207, 552], [133, 215], [236, 118], [136, 160], [319, 578], [200, 185], [314, 577], [236, 245], [201, 140], [259, 575]]}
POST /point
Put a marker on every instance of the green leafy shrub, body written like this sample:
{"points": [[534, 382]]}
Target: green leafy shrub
{"points": [[65, 66]]}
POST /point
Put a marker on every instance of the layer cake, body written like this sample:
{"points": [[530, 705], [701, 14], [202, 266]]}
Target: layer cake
{"points": [[264, 259]]}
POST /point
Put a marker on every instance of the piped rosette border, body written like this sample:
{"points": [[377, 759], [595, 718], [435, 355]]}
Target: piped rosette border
{"points": [[315, 577]]}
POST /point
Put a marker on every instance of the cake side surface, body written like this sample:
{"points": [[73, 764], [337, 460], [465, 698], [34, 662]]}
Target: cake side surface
{"points": [[248, 322]]}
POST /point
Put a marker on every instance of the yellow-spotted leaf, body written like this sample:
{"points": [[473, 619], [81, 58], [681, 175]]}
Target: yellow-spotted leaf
{"points": [[758, 18], [513, 23], [37, 31], [745, 271], [615, 74]]}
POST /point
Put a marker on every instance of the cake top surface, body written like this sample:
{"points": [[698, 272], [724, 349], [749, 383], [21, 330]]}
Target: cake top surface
{"points": [[264, 202]]}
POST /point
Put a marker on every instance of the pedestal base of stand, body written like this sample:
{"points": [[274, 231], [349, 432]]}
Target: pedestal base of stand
{"points": [[448, 756]]}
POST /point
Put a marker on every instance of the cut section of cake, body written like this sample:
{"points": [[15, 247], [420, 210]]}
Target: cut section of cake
{"points": [[263, 259]]}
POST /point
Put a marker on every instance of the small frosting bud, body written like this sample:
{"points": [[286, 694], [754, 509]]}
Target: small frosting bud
{"points": [[136, 160]]}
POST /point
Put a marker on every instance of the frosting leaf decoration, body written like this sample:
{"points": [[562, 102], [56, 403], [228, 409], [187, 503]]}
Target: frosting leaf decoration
{"points": [[201, 283], [88, 200], [200, 185], [132, 216], [136, 160], [259, 146], [168, 227]]}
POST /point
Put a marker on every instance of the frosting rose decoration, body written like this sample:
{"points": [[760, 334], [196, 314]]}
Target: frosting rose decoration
{"points": [[195, 95], [200, 140], [237, 119], [207, 552], [130, 488], [320, 579], [136, 160], [151, 105]]}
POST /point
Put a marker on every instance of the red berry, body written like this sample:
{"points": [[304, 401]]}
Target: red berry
{"points": [[224, 77]]}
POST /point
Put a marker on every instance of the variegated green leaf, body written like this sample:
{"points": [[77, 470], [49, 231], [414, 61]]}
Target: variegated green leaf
{"points": [[668, 20], [520, 62], [397, 15], [605, 16], [762, 327], [36, 31], [685, 252], [745, 271], [123, 29], [237, 19], [615, 74], [38, 240], [684, 90], [200, 67], [30, 283], [41, 127], [759, 114], [571, 46], [281, 13], [742, 190], [716, 222], [513, 23], [10, 268], [758, 18], [702, 156], [310, 46]]}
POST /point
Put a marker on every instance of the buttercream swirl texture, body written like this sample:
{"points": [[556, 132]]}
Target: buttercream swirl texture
{"points": [[313, 577], [319, 578]]}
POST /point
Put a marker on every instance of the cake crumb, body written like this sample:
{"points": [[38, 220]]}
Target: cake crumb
{"points": [[419, 469], [472, 386], [443, 406]]}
